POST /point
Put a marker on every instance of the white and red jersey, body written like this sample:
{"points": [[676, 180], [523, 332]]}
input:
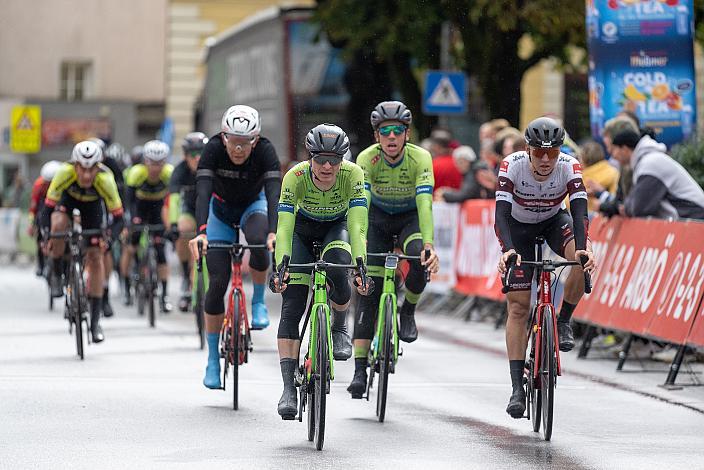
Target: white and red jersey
{"points": [[532, 201]]}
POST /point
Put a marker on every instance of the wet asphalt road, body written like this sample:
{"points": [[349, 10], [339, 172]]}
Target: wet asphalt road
{"points": [[137, 401]]}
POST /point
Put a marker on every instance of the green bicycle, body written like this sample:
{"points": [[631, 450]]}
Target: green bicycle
{"points": [[384, 349], [313, 377]]}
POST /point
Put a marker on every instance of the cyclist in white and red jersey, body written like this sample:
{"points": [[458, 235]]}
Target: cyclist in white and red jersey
{"points": [[530, 195]]}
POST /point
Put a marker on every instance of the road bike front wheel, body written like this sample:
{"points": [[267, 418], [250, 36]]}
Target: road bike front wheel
{"points": [[198, 309], [152, 283], [76, 308], [547, 371], [235, 333], [385, 359], [321, 377]]}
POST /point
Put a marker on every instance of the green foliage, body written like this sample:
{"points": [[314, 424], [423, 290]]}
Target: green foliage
{"points": [[405, 35], [690, 155]]}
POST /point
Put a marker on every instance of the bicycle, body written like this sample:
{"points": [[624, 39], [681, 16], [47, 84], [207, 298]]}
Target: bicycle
{"points": [[384, 349], [145, 274], [313, 377], [200, 285], [543, 365], [235, 336], [76, 301]]}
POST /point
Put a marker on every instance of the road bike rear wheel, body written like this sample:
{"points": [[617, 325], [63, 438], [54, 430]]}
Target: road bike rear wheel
{"points": [[321, 377], [385, 358], [235, 334], [547, 372], [198, 309]]}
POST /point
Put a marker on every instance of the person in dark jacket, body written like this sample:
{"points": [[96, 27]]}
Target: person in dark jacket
{"points": [[472, 170], [662, 187]]}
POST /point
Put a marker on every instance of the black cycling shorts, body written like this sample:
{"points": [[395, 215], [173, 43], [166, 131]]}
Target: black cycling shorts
{"points": [[92, 214], [557, 231]]}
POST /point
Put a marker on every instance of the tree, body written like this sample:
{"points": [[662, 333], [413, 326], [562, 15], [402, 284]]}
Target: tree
{"points": [[405, 36]]}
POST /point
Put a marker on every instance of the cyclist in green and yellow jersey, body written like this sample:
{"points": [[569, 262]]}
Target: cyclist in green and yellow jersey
{"points": [[147, 185], [322, 200], [398, 181]]}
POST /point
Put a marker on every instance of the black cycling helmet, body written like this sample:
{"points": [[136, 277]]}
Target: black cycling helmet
{"points": [[390, 111], [194, 141], [327, 138], [544, 132], [137, 154]]}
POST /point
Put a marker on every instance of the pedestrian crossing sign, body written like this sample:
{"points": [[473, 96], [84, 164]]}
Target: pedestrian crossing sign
{"points": [[25, 129], [444, 93]]}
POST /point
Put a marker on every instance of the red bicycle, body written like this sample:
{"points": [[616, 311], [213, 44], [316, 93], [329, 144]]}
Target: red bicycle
{"points": [[235, 337], [543, 363]]}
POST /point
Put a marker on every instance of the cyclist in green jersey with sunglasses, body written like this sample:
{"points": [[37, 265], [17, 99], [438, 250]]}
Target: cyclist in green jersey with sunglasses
{"points": [[398, 180], [322, 201]]}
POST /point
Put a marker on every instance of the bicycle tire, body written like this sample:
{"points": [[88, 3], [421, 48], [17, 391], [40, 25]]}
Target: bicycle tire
{"points": [[385, 358], [321, 377], [198, 310], [534, 395], [152, 281], [235, 333], [77, 308], [310, 405], [547, 372]]}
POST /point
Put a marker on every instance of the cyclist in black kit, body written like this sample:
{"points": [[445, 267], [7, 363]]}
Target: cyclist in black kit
{"points": [[182, 207], [238, 183]]}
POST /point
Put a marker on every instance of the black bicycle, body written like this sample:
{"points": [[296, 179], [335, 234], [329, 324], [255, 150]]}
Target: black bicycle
{"points": [[145, 276], [76, 301], [313, 377]]}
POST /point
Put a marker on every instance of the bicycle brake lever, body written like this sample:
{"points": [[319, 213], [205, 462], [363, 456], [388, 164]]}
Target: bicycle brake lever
{"points": [[587, 277], [511, 262], [427, 271]]}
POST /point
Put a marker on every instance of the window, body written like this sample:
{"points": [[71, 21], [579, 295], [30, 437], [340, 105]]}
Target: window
{"points": [[75, 81]]}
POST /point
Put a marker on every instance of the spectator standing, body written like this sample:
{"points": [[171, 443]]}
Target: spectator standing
{"points": [[661, 186], [469, 166], [446, 174], [598, 174]]}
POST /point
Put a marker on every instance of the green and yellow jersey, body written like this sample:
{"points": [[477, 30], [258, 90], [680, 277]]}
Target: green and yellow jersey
{"points": [[403, 186], [104, 187], [300, 196], [137, 178]]}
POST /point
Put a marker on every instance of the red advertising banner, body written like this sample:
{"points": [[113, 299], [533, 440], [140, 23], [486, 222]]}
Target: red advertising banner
{"points": [[696, 336], [478, 251], [602, 232], [70, 131], [650, 278]]}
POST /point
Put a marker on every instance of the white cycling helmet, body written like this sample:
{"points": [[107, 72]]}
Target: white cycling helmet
{"points": [[242, 121], [87, 154], [49, 169], [156, 151]]}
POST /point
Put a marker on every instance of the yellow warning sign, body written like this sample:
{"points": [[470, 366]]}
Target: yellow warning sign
{"points": [[26, 129]]}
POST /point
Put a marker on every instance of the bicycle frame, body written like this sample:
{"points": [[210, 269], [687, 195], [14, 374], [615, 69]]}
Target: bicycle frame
{"points": [[388, 291], [236, 255], [320, 299], [543, 302]]}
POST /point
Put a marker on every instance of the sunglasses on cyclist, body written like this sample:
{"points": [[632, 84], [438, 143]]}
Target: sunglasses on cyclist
{"points": [[322, 159], [238, 140], [397, 129], [193, 153], [552, 152]]}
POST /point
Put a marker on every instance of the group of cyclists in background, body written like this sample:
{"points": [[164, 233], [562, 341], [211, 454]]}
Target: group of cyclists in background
{"points": [[380, 203]]}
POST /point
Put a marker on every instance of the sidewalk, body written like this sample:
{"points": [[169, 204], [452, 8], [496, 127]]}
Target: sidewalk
{"points": [[595, 368]]}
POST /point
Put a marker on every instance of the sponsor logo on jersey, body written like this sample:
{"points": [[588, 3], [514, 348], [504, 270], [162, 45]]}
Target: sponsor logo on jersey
{"points": [[300, 173], [577, 168], [504, 166]]}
